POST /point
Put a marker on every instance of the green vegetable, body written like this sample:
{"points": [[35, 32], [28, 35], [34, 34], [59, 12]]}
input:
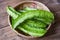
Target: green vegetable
{"points": [[35, 23], [18, 13], [34, 14], [27, 8], [45, 20], [11, 13], [32, 31]]}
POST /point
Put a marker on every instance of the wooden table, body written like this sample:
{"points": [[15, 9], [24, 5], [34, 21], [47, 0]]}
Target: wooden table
{"points": [[7, 34]]}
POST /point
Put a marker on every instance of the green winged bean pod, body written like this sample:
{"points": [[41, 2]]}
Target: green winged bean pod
{"points": [[31, 21]]}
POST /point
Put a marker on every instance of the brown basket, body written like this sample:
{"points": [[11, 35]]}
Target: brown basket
{"points": [[33, 4]]}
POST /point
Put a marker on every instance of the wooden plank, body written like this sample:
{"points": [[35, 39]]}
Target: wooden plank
{"points": [[7, 34]]}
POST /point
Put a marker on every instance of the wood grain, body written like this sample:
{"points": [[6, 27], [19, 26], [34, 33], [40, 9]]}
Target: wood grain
{"points": [[6, 32]]}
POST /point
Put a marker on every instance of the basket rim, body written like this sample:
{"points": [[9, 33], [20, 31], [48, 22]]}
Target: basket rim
{"points": [[20, 33]]}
